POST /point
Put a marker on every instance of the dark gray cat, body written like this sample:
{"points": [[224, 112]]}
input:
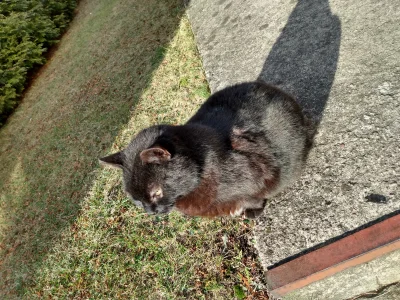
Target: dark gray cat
{"points": [[246, 143]]}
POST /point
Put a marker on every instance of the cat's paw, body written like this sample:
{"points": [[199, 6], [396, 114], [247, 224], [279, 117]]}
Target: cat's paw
{"points": [[240, 139], [237, 131], [253, 213], [237, 212]]}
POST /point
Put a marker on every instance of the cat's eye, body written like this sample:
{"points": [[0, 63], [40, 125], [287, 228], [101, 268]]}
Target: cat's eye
{"points": [[157, 193]]}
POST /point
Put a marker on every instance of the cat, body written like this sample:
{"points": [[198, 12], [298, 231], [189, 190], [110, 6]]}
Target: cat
{"points": [[246, 143]]}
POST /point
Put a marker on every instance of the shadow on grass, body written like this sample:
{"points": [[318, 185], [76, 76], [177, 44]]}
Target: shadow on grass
{"points": [[303, 60], [69, 117]]}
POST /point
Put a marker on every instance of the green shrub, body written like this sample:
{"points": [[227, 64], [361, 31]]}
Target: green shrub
{"points": [[27, 29]]}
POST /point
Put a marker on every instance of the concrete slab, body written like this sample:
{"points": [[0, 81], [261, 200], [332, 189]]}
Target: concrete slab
{"points": [[341, 60]]}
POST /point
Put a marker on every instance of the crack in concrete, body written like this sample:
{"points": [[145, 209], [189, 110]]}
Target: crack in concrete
{"points": [[393, 288]]}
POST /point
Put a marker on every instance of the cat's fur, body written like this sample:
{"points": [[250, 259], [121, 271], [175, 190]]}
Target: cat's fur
{"points": [[246, 143]]}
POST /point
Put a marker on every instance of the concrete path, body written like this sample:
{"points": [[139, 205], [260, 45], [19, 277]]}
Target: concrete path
{"points": [[341, 59]]}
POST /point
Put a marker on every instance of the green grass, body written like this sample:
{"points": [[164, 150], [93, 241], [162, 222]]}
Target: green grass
{"points": [[67, 230]]}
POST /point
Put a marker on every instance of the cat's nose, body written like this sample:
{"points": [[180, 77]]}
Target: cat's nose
{"points": [[150, 209], [159, 210], [163, 209], [155, 209]]}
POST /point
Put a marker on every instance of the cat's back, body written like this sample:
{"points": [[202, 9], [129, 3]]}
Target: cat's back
{"points": [[231, 106], [225, 103], [287, 130], [259, 107], [246, 105]]}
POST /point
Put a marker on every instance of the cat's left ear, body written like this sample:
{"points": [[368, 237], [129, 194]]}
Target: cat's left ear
{"points": [[156, 155], [114, 160]]}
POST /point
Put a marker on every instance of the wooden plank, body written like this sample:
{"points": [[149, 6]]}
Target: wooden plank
{"points": [[366, 257], [354, 245]]}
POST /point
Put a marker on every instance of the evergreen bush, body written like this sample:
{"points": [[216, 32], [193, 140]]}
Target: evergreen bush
{"points": [[27, 29]]}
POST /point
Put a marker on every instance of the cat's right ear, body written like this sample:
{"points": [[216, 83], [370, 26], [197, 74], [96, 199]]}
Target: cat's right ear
{"points": [[114, 160]]}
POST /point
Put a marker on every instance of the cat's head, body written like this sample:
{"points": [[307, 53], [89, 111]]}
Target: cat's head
{"points": [[157, 168]]}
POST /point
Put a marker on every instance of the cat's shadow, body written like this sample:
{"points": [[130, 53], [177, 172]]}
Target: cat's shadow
{"points": [[303, 60]]}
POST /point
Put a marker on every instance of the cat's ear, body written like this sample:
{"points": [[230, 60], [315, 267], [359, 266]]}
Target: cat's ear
{"points": [[114, 160], [156, 155]]}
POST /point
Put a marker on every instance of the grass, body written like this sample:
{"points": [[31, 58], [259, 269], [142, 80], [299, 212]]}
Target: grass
{"points": [[66, 228]]}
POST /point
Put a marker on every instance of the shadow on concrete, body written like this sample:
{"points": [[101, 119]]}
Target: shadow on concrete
{"points": [[303, 60]]}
